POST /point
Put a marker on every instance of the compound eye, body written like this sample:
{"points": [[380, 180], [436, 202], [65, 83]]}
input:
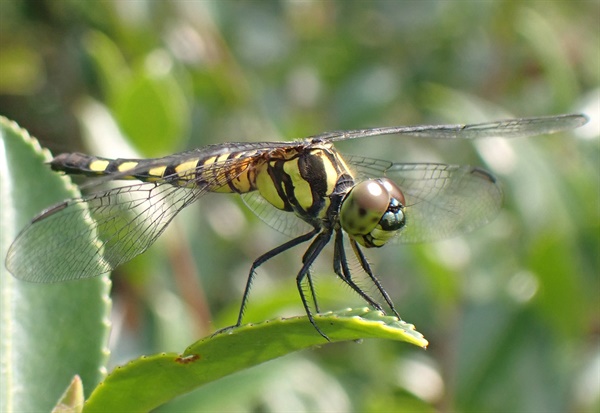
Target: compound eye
{"points": [[363, 207], [370, 197], [373, 212], [393, 190]]}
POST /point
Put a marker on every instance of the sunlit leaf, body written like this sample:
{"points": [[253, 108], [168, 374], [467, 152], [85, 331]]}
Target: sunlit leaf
{"points": [[148, 382]]}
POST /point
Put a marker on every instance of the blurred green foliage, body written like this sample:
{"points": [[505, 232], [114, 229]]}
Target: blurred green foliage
{"points": [[511, 311]]}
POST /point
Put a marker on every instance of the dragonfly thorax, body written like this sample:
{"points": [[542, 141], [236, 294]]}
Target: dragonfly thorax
{"points": [[304, 180], [373, 212]]}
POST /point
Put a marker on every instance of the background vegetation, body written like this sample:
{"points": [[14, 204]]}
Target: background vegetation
{"points": [[511, 311]]}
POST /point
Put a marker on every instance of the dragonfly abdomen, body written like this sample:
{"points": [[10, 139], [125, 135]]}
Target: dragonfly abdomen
{"points": [[225, 172], [82, 164]]}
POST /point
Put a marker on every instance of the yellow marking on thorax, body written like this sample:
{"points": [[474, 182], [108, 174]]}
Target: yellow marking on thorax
{"points": [[98, 165], [343, 166], [333, 171], [302, 189], [266, 186]]}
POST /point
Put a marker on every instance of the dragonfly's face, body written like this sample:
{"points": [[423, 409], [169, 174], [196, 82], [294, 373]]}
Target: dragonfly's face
{"points": [[373, 212]]}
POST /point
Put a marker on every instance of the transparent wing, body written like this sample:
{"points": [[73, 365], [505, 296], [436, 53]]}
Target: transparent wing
{"points": [[510, 128], [441, 200], [89, 236], [92, 235], [285, 222]]}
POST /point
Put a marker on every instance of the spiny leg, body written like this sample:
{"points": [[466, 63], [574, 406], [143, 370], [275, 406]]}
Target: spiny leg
{"points": [[340, 267], [312, 291], [365, 265], [261, 260], [309, 258], [308, 253]]}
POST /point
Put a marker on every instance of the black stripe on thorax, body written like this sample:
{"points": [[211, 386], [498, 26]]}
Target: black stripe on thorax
{"points": [[282, 183]]}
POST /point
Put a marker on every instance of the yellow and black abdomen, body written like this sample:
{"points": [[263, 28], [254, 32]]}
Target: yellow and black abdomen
{"points": [[221, 172], [81, 164]]}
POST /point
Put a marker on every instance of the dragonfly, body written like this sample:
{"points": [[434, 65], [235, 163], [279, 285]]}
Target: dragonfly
{"points": [[304, 188]]}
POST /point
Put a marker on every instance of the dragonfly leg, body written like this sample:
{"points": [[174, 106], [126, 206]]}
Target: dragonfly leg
{"points": [[340, 267], [365, 265], [312, 291], [309, 257], [310, 254], [261, 260]]}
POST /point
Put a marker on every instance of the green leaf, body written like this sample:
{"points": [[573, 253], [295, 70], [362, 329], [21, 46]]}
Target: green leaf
{"points": [[49, 332], [152, 111], [148, 382], [110, 70]]}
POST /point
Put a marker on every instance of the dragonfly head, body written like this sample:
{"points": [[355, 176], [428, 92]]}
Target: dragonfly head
{"points": [[373, 212]]}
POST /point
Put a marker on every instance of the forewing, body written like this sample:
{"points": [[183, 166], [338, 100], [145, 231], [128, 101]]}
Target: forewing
{"points": [[509, 128], [442, 200]]}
